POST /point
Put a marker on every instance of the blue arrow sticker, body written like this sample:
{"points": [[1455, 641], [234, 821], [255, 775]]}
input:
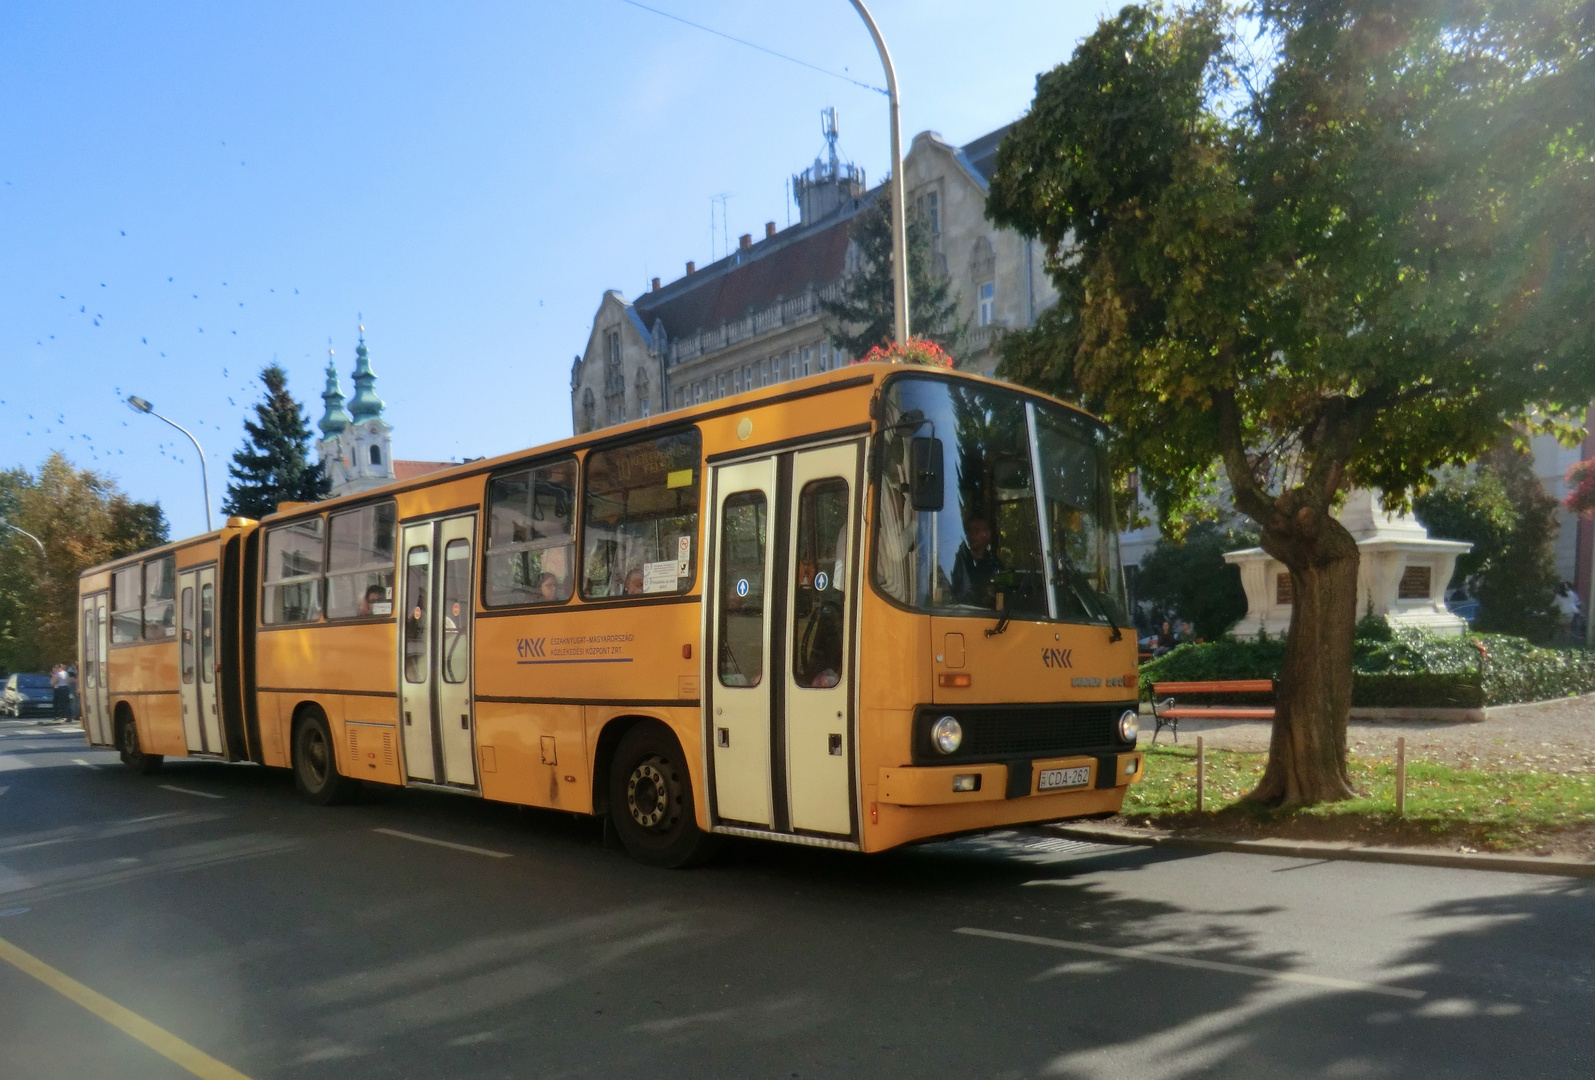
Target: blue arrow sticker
{"points": [[742, 587], [820, 581]]}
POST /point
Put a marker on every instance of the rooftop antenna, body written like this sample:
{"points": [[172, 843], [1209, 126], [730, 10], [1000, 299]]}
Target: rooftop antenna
{"points": [[828, 128]]}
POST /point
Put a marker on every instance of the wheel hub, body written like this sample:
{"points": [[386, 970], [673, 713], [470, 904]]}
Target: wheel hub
{"points": [[648, 794]]}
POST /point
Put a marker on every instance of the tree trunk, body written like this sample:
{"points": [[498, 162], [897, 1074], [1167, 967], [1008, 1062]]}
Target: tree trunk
{"points": [[1307, 753]]}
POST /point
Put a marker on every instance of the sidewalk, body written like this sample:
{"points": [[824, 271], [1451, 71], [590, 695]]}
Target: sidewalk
{"points": [[1545, 736], [1322, 849]]}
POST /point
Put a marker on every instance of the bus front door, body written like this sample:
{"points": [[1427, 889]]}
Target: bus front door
{"points": [[782, 581], [93, 692], [435, 652], [196, 628]]}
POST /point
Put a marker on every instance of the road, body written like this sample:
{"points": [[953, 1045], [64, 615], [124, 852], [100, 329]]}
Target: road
{"points": [[273, 939]]}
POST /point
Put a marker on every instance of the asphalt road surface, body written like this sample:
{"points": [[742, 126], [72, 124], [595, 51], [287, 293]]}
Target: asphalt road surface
{"points": [[203, 921]]}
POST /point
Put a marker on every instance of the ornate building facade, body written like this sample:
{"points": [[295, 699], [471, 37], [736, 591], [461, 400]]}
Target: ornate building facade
{"points": [[356, 446], [753, 318]]}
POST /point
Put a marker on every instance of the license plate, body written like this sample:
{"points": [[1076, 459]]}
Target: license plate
{"points": [[1053, 779]]}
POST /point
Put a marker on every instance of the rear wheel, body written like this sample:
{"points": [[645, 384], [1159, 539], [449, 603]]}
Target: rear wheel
{"points": [[128, 745], [650, 801], [316, 764]]}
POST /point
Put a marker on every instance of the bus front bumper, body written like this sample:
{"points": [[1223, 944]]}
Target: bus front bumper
{"points": [[942, 785]]}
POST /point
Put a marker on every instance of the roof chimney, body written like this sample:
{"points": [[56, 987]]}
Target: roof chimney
{"points": [[745, 241], [656, 284], [769, 229], [692, 267]]}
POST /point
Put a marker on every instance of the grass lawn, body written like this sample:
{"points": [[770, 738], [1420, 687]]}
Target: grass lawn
{"points": [[1492, 809]]}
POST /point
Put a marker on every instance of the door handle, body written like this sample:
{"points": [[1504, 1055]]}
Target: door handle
{"points": [[406, 717], [465, 721]]}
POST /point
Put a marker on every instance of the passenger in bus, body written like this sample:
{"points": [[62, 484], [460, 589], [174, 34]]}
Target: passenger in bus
{"points": [[374, 595], [975, 565], [548, 588], [633, 582]]}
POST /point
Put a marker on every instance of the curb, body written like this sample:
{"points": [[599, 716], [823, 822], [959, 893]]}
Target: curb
{"points": [[1310, 849]]}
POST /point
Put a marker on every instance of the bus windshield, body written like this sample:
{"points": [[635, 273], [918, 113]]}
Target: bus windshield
{"points": [[994, 547]]}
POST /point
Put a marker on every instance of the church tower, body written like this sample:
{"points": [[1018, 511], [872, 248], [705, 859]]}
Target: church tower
{"points": [[356, 446]]}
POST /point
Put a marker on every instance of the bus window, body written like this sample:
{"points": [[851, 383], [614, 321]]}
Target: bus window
{"points": [[207, 633], [127, 605], [160, 598], [742, 546], [456, 611], [531, 549], [819, 603], [417, 587], [293, 572], [640, 517], [360, 562]]}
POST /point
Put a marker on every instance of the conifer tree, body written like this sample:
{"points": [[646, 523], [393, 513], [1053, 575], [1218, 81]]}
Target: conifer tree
{"points": [[864, 312], [273, 464]]}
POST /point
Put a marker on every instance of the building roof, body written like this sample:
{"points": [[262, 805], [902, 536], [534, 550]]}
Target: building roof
{"points": [[982, 153], [782, 266], [409, 470]]}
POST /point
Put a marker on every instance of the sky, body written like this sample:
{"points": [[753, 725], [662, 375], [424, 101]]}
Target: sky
{"points": [[191, 191]]}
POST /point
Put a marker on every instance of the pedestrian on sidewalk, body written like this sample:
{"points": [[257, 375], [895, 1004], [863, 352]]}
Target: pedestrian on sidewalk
{"points": [[61, 685]]}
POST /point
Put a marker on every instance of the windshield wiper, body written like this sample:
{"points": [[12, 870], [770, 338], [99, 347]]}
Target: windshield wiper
{"points": [[1089, 597], [1001, 627]]}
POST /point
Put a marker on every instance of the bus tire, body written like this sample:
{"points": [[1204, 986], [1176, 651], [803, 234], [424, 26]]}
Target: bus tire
{"points": [[650, 801], [316, 772], [127, 745]]}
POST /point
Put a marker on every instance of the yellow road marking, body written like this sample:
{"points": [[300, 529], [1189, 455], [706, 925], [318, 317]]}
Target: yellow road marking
{"points": [[157, 1038]]}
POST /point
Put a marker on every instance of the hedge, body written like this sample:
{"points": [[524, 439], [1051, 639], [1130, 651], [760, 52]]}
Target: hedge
{"points": [[1413, 667]]}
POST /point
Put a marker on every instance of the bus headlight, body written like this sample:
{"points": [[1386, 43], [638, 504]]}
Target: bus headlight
{"points": [[948, 734], [1129, 726]]}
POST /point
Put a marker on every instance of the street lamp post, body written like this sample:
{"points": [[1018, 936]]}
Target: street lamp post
{"points": [[899, 229], [4, 524], [140, 405]]}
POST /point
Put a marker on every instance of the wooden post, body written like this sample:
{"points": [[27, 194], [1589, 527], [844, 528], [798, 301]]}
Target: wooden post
{"points": [[1201, 776], [1401, 776]]}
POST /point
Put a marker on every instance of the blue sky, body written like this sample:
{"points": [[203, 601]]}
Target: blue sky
{"points": [[192, 190]]}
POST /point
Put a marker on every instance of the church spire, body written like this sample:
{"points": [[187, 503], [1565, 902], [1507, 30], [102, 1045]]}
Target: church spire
{"points": [[365, 405], [335, 419]]}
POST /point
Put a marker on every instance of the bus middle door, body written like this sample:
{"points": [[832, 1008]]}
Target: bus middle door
{"points": [[435, 651]]}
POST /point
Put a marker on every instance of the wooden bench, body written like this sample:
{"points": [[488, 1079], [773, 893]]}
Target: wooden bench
{"points": [[1167, 714]]}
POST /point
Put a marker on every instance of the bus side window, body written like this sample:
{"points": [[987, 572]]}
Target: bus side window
{"points": [[819, 603], [531, 550], [640, 517], [292, 567], [127, 605]]}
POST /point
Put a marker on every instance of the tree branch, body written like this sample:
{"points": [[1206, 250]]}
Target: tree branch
{"points": [[1250, 497]]}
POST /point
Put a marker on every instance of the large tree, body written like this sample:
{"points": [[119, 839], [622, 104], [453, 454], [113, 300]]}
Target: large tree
{"points": [[865, 311], [273, 465], [1324, 244], [82, 519]]}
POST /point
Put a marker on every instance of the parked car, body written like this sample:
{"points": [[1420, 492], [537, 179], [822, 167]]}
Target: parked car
{"points": [[27, 695]]}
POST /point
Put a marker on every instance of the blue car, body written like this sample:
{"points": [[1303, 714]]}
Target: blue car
{"points": [[27, 695]]}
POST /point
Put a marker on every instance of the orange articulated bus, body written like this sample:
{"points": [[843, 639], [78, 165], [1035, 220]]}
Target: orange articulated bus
{"points": [[868, 607]]}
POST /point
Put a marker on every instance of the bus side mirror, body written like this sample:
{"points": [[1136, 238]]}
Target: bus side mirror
{"points": [[926, 488]]}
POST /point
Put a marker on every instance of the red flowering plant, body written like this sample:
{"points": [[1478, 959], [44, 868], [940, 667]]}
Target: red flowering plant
{"points": [[913, 351], [1581, 487]]}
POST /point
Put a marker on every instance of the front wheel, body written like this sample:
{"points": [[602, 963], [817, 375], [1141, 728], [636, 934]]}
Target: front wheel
{"points": [[650, 801], [316, 764], [128, 747]]}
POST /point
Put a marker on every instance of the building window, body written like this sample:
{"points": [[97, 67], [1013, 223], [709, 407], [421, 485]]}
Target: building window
{"points": [[360, 548], [720, 385], [747, 377], [808, 358], [929, 207], [531, 548], [642, 408], [1284, 594], [825, 356], [376, 455], [681, 397], [988, 303], [792, 364], [640, 517]]}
